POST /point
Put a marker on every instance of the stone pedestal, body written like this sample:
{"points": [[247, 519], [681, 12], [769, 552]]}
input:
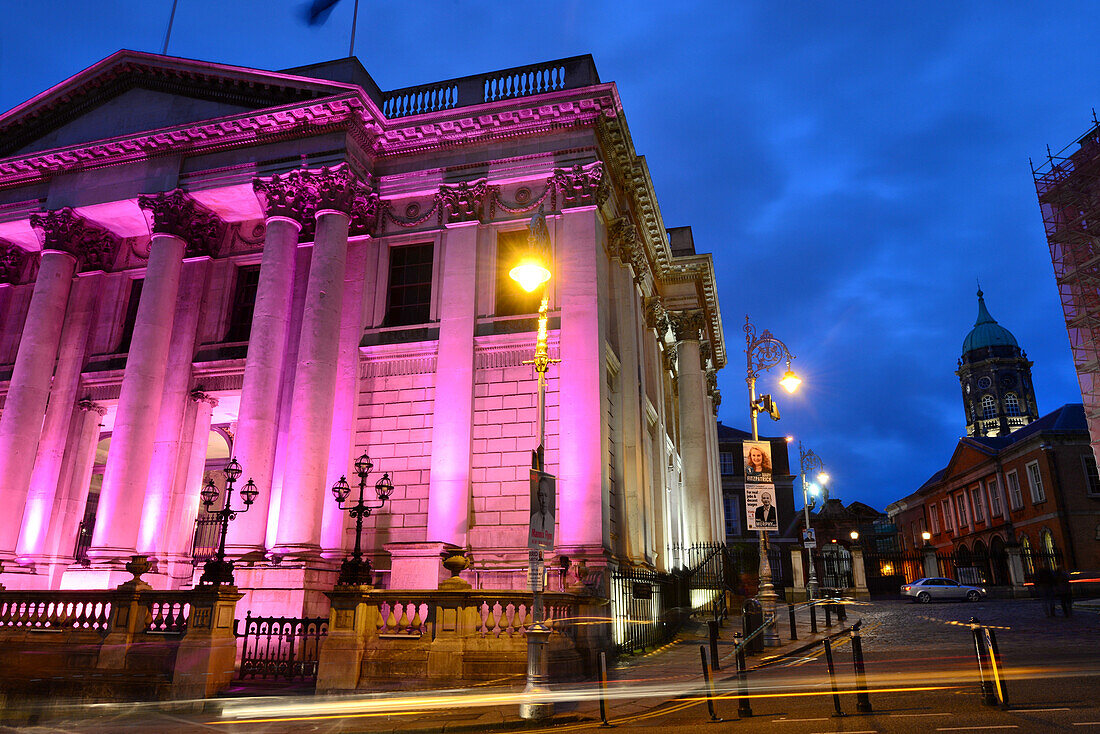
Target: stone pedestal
{"points": [[859, 575], [417, 565], [349, 625], [930, 562], [797, 591], [1016, 570], [208, 651]]}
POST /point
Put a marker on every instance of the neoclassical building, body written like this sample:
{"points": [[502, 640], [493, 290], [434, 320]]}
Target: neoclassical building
{"points": [[292, 268]]}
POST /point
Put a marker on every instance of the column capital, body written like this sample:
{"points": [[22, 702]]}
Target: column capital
{"points": [[365, 208], [670, 358], [704, 356], [655, 315], [176, 213], [63, 230], [89, 406], [581, 185], [686, 325], [464, 201], [335, 187], [198, 396], [13, 260], [287, 195]]}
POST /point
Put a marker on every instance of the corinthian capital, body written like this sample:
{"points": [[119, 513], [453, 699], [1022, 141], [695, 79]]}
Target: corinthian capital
{"points": [[63, 230], [704, 354], [12, 261], [686, 325], [364, 210], [580, 185], [622, 240], [176, 213], [465, 201], [287, 195], [336, 187], [655, 315]]}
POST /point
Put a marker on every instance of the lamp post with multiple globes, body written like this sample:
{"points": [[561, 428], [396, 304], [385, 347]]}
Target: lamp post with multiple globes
{"points": [[762, 353], [218, 570], [807, 461], [356, 571], [531, 273]]}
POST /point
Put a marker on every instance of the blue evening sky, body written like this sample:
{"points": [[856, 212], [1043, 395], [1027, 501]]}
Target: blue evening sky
{"points": [[853, 167]]}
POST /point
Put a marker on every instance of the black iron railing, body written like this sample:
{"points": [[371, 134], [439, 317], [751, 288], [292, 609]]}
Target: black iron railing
{"points": [[281, 648], [83, 541], [204, 545]]}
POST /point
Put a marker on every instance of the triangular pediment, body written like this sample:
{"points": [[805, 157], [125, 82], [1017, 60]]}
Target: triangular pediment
{"points": [[132, 92], [967, 455]]}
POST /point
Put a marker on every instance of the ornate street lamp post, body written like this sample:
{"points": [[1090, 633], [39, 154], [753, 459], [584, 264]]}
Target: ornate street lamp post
{"points": [[807, 461], [762, 353], [533, 272], [356, 571], [218, 570]]}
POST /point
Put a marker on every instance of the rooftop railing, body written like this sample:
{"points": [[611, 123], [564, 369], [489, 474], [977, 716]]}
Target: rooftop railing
{"points": [[520, 81]]}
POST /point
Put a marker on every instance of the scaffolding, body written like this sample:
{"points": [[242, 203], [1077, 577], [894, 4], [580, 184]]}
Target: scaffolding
{"points": [[1068, 187]]}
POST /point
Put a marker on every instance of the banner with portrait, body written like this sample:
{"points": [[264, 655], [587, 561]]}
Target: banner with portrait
{"points": [[760, 509], [758, 461], [543, 496]]}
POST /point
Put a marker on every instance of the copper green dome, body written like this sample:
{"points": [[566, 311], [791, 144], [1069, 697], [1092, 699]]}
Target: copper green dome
{"points": [[987, 332]]}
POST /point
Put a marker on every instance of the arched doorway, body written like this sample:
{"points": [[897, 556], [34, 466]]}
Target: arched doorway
{"points": [[998, 561], [981, 562]]}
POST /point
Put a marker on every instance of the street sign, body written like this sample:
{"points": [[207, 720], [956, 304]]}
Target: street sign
{"points": [[642, 590]]}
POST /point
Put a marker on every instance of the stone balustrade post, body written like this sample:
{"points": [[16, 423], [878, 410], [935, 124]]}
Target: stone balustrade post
{"points": [[859, 574], [207, 653], [351, 625], [127, 617]]}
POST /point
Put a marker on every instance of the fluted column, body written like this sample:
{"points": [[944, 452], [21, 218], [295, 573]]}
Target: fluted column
{"points": [[59, 413], [164, 465], [65, 236], [305, 482], [125, 478], [289, 201], [693, 414]]}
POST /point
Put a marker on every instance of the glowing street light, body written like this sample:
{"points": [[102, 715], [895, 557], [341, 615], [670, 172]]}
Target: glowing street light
{"points": [[808, 460]]}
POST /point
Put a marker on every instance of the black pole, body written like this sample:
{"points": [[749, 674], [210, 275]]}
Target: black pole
{"points": [[603, 689], [832, 676], [357, 554], [709, 684], [995, 652], [744, 707], [813, 618], [828, 615], [712, 627], [986, 688], [790, 617], [841, 612], [863, 701]]}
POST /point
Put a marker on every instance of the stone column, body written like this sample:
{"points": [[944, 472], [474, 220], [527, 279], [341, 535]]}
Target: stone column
{"points": [[183, 506], [798, 583], [289, 201], [127, 473], [453, 415], [76, 476], [65, 235], [59, 413], [859, 574], [163, 471], [581, 284], [693, 414], [305, 484]]}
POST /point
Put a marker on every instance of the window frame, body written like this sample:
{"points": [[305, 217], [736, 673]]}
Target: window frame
{"points": [[389, 308], [993, 489], [1012, 405], [1015, 492], [977, 507], [1035, 482], [948, 524], [960, 509], [1092, 475], [934, 518], [725, 461], [989, 407]]}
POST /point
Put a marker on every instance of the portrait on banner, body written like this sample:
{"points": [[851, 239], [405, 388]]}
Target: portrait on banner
{"points": [[760, 507], [543, 495], [758, 461]]}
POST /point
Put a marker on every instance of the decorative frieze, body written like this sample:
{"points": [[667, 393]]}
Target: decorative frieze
{"points": [[177, 213], [419, 365], [686, 325], [13, 259], [581, 185], [93, 246], [364, 209]]}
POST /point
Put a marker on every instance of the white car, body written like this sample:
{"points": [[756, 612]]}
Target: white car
{"points": [[926, 590]]}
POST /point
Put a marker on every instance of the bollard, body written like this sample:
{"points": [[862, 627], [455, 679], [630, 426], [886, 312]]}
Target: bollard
{"points": [[986, 687], [863, 701], [828, 616], [998, 666], [813, 618], [712, 626], [790, 617], [709, 684], [841, 612], [832, 676], [744, 708], [603, 690]]}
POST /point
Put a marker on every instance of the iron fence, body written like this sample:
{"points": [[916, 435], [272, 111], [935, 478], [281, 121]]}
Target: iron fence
{"points": [[646, 609], [281, 648], [204, 544]]}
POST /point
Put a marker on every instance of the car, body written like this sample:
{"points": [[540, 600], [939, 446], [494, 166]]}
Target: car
{"points": [[926, 590]]}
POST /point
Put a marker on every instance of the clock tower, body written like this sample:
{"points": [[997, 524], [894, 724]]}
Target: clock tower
{"points": [[995, 376]]}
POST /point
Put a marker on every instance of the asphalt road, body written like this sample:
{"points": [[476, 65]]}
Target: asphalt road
{"points": [[921, 673]]}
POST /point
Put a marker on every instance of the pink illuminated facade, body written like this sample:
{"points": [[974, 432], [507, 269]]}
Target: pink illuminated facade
{"points": [[200, 261]]}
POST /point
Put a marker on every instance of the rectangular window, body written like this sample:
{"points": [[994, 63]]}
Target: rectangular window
{"points": [[733, 519], [1035, 481], [977, 504], [244, 302], [960, 509], [994, 498], [130, 317], [934, 519], [409, 298], [947, 524], [1015, 497], [1092, 479], [725, 458], [511, 300]]}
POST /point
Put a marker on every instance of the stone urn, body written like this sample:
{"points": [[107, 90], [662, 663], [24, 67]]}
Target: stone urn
{"points": [[456, 562]]}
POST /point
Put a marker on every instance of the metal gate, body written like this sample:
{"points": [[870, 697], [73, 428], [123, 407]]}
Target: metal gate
{"points": [[281, 648], [887, 571]]}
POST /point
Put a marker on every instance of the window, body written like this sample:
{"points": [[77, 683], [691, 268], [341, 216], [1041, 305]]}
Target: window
{"points": [[1012, 404], [1015, 497], [1092, 480], [994, 498], [725, 459], [131, 316], [511, 300], [1050, 552], [934, 519], [947, 524], [977, 504], [1035, 482], [989, 407], [409, 298], [1028, 556], [733, 519], [960, 509], [244, 302]]}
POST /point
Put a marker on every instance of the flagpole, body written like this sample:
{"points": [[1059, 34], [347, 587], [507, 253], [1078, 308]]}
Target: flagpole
{"points": [[172, 17], [354, 20]]}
